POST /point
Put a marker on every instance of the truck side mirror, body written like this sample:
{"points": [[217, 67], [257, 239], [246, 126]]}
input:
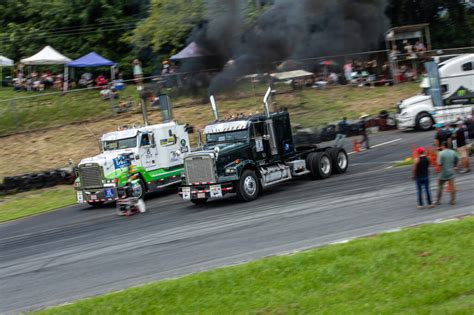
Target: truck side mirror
{"points": [[152, 140], [200, 142], [188, 128]]}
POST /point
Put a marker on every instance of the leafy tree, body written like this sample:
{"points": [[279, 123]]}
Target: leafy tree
{"points": [[450, 20], [168, 24], [73, 27]]}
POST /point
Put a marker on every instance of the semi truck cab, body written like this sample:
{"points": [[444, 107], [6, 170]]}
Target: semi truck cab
{"points": [[156, 157], [243, 155], [455, 84]]}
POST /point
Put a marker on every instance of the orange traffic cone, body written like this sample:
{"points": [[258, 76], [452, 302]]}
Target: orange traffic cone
{"points": [[432, 156], [450, 187], [355, 146], [414, 153]]}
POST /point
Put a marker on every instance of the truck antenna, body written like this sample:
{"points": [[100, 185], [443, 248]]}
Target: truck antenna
{"points": [[214, 108]]}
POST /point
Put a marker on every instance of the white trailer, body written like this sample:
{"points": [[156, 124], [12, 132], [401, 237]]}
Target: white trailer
{"points": [[455, 79]]}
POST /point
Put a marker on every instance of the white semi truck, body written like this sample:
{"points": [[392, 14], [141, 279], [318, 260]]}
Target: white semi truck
{"points": [[447, 94], [156, 152]]}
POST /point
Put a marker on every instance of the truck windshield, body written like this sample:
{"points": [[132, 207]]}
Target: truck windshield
{"points": [[234, 136], [119, 144]]}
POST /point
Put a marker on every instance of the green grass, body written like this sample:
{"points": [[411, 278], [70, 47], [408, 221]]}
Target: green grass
{"points": [[311, 107], [31, 110], [423, 270], [405, 162], [34, 202]]}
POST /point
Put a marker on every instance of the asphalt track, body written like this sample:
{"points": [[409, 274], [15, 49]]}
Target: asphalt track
{"points": [[78, 252]]}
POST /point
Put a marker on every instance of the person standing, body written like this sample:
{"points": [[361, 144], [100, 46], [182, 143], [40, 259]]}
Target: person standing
{"points": [[348, 71], [343, 129], [441, 136], [447, 159], [463, 147], [363, 131], [421, 176], [137, 72]]}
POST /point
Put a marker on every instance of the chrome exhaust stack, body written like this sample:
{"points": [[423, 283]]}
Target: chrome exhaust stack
{"points": [[265, 102], [269, 122], [214, 108]]}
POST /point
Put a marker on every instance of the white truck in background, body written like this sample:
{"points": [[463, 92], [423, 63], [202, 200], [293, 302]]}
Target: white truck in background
{"points": [[455, 82]]}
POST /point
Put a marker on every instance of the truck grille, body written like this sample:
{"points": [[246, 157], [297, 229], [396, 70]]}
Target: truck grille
{"points": [[200, 169], [91, 176]]}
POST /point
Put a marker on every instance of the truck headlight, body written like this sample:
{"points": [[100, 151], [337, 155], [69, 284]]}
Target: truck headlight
{"points": [[230, 171]]}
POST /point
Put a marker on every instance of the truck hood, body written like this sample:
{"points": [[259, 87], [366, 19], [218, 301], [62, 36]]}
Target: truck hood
{"points": [[415, 100], [106, 159], [224, 148], [228, 153]]}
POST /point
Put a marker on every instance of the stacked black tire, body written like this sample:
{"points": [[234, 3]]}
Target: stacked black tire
{"points": [[25, 182]]}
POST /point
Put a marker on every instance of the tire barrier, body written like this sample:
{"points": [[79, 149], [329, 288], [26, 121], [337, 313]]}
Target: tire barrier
{"points": [[328, 133], [30, 181]]}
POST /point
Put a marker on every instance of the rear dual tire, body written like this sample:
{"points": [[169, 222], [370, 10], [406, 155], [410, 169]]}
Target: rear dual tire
{"points": [[319, 164], [340, 160], [323, 164]]}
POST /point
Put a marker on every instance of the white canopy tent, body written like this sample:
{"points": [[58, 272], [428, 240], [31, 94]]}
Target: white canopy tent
{"points": [[48, 56], [4, 62]]}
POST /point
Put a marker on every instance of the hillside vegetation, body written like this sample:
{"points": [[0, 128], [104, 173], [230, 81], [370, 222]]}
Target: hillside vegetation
{"points": [[51, 148]]}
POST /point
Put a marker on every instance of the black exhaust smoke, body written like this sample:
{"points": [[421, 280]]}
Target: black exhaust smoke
{"points": [[288, 29]]}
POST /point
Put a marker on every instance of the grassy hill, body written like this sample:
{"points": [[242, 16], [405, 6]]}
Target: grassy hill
{"points": [[76, 138]]}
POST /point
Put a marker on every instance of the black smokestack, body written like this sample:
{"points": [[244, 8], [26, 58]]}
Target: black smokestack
{"points": [[289, 29]]}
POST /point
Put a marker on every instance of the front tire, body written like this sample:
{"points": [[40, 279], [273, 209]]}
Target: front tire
{"points": [[199, 201], [139, 190], [248, 186], [97, 204], [424, 122]]}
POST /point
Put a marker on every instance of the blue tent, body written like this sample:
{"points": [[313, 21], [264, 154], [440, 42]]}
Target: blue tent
{"points": [[92, 59]]}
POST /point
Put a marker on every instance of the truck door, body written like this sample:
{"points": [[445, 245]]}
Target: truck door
{"points": [[260, 146], [148, 151]]}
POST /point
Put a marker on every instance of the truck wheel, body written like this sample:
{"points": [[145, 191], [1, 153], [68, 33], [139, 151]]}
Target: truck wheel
{"points": [[424, 122], [340, 161], [96, 204], [320, 165], [199, 201], [139, 190], [248, 186]]}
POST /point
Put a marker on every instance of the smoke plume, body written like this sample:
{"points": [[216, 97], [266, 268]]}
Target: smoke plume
{"points": [[287, 30]]}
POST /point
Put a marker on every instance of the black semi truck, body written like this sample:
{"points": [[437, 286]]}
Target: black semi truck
{"points": [[244, 155]]}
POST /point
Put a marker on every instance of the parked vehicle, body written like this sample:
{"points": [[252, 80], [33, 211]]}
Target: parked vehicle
{"points": [[247, 154], [455, 79]]}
